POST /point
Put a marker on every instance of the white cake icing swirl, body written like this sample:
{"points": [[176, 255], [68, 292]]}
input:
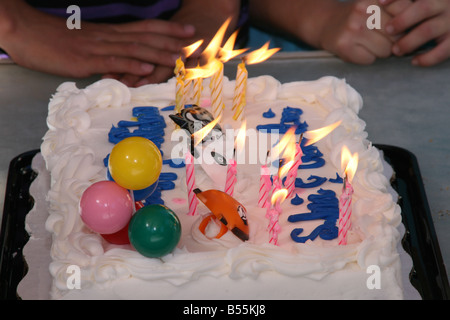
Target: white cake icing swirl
{"points": [[76, 144]]}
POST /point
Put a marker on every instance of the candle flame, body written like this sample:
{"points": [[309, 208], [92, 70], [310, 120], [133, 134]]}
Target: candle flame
{"points": [[349, 163], [279, 196], [260, 54], [213, 47], [203, 132], [227, 52], [190, 49], [315, 135], [240, 138], [204, 71], [286, 148]]}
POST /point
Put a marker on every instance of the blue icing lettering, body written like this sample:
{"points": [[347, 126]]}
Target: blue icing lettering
{"points": [[317, 181], [269, 114], [296, 201], [337, 180], [312, 157], [289, 117], [326, 231], [323, 205]]}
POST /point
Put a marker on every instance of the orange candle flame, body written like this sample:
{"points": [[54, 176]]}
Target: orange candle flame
{"points": [[227, 52], [315, 135], [285, 148], [240, 138], [261, 54], [190, 49], [279, 196], [203, 132], [349, 162]]}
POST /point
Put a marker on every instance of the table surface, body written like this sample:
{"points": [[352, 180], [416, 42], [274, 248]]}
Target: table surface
{"points": [[404, 106]]}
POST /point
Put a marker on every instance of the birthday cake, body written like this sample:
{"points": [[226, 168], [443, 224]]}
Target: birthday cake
{"points": [[285, 247]]}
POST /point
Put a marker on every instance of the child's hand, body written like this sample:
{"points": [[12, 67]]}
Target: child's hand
{"points": [[422, 21]]}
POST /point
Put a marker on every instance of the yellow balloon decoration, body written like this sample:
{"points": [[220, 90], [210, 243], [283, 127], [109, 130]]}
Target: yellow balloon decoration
{"points": [[135, 163]]}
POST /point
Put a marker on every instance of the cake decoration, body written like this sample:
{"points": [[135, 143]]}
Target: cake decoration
{"points": [[154, 231], [269, 114], [296, 200], [323, 205], [135, 163], [282, 244], [227, 210], [106, 207]]}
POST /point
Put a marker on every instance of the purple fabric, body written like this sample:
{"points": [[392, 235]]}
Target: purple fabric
{"points": [[118, 9]]}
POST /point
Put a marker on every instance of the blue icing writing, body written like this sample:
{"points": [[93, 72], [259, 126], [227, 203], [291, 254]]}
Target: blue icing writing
{"points": [[296, 201], [289, 117], [174, 163], [316, 182], [269, 114], [150, 124], [323, 205], [172, 107], [337, 180], [312, 157]]}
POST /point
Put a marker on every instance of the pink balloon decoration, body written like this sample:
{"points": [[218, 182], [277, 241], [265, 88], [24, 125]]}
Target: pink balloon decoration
{"points": [[106, 207]]}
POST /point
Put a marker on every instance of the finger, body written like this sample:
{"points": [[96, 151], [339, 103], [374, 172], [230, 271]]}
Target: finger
{"points": [[168, 28], [153, 40], [136, 51], [415, 13], [377, 43], [119, 65], [129, 80], [438, 54], [423, 33], [114, 76], [358, 21], [397, 7], [160, 74]]}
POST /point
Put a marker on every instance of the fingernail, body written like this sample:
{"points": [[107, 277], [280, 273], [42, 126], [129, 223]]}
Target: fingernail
{"points": [[147, 67], [190, 29], [383, 1]]}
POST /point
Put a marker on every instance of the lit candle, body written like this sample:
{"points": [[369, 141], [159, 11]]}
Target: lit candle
{"points": [[216, 86], [273, 214], [256, 56], [180, 94], [231, 177], [292, 174], [190, 182], [265, 186], [198, 87], [345, 200], [240, 90]]}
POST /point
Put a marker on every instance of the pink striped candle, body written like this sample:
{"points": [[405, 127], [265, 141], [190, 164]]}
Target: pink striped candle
{"points": [[190, 182], [231, 177], [345, 212], [274, 227], [292, 174], [265, 185]]}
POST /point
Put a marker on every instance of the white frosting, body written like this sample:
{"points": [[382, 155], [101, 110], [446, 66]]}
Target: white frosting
{"points": [[76, 144]]}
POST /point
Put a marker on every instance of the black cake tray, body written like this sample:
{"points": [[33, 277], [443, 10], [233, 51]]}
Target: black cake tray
{"points": [[428, 274]]}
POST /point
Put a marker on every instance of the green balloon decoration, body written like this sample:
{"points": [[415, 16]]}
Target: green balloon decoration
{"points": [[154, 231]]}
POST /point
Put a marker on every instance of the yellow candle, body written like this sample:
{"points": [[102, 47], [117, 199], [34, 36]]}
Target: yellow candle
{"points": [[180, 94], [216, 85], [240, 89], [198, 87]]}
